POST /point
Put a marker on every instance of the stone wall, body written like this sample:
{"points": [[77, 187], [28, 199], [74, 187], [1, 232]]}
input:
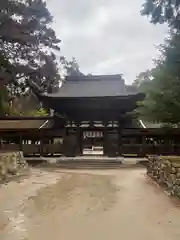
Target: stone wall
{"points": [[11, 163], [166, 172]]}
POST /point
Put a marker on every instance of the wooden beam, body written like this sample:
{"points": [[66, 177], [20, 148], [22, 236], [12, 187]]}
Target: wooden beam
{"points": [[49, 133], [9, 118]]}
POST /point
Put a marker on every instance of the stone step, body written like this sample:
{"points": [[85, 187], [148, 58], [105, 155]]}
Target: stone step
{"points": [[85, 165], [80, 162]]}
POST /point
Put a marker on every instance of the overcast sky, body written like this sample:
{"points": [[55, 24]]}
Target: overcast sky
{"points": [[106, 36]]}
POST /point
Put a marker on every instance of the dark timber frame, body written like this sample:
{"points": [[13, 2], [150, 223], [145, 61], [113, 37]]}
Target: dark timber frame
{"points": [[147, 141], [93, 103], [89, 102]]}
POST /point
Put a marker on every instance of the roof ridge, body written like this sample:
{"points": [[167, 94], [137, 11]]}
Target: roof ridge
{"points": [[95, 77]]}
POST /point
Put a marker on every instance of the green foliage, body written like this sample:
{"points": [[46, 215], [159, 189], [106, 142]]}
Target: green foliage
{"points": [[143, 81], [163, 11], [162, 101], [3, 101], [39, 112], [27, 49], [27, 43], [12, 111], [70, 68]]}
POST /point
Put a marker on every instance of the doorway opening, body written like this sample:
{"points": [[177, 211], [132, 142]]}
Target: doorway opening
{"points": [[92, 143]]}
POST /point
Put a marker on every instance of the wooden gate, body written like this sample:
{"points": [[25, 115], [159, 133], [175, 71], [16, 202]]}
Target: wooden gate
{"points": [[111, 143], [72, 144]]}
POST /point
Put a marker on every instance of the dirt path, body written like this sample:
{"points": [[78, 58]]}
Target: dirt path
{"points": [[116, 204]]}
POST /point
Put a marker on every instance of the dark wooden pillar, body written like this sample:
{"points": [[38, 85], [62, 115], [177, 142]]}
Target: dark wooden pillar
{"points": [[120, 140], [20, 143], [79, 139], [72, 144], [41, 146], [143, 147], [105, 139]]}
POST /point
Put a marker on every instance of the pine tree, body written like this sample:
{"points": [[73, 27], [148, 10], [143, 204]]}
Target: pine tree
{"points": [[28, 43], [163, 11], [162, 101]]}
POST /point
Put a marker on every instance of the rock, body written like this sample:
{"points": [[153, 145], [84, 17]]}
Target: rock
{"points": [[3, 170], [11, 163], [12, 168], [177, 181], [165, 175], [176, 164], [161, 178], [172, 178], [177, 175], [163, 166], [172, 192], [177, 191], [168, 163], [166, 171]]}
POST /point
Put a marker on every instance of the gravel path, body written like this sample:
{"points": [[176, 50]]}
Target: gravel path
{"points": [[98, 205]]}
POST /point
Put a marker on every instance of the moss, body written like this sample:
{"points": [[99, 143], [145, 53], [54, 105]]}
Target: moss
{"points": [[11, 163], [171, 158]]}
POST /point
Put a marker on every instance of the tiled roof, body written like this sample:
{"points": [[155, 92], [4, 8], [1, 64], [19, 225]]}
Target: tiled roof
{"points": [[92, 86], [24, 124]]}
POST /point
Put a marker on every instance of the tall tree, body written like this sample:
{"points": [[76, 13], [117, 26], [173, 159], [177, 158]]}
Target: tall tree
{"points": [[163, 11], [27, 46], [143, 81], [162, 101], [27, 42], [70, 68]]}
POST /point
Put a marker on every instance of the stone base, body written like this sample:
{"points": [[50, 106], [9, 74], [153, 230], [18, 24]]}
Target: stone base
{"points": [[166, 172], [11, 163]]}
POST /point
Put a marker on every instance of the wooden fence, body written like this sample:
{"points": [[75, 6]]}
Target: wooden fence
{"points": [[140, 142], [34, 149]]}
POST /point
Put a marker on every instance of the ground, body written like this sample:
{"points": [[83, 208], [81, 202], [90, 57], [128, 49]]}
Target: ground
{"points": [[87, 204]]}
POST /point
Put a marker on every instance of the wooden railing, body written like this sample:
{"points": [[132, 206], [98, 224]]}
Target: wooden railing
{"points": [[151, 149], [130, 132], [134, 149], [133, 141], [34, 149]]}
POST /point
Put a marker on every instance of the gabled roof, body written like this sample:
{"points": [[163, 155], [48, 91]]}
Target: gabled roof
{"points": [[25, 124], [92, 86]]}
